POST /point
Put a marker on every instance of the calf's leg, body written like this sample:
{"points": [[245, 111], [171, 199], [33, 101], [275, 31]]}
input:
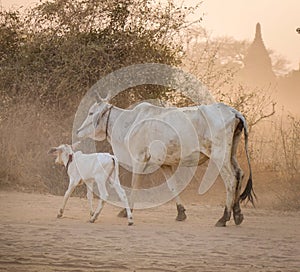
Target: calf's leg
{"points": [[102, 195], [97, 211], [89, 195], [72, 186]]}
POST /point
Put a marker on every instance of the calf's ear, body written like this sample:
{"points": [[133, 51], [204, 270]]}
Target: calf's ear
{"points": [[52, 150], [75, 145]]}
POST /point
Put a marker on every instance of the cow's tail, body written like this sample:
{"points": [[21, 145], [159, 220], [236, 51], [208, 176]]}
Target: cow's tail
{"points": [[248, 192]]}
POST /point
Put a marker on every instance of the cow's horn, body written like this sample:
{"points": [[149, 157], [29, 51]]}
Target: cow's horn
{"points": [[97, 96]]}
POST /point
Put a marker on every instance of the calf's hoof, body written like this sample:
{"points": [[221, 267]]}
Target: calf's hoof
{"points": [[181, 216], [60, 213], [92, 220], [130, 221], [238, 218]]}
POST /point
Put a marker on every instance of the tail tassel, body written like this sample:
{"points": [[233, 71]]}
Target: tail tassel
{"points": [[248, 193]]}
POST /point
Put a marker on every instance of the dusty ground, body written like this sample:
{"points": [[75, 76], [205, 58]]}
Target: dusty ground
{"points": [[32, 239]]}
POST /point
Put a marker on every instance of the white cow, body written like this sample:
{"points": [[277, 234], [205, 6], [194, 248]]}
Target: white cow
{"points": [[90, 168], [217, 129]]}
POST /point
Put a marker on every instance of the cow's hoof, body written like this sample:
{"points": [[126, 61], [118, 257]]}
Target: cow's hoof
{"points": [[92, 220], [122, 213], [181, 216], [238, 218], [130, 223], [220, 223], [59, 215]]}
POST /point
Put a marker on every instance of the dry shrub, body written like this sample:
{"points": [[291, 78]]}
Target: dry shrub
{"points": [[289, 162], [51, 55], [276, 148], [27, 133], [289, 196]]}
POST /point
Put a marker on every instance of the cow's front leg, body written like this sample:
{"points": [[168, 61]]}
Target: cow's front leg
{"points": [[122, 213], [122, 195], [181, 216], [135, 181], [171, 182], [237, 214]]}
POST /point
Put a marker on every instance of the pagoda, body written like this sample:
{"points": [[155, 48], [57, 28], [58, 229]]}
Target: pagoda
{"points": [[257, 68]]}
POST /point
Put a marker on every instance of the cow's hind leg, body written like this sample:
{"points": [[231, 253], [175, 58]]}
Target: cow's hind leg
{"points": [[237, 214], [226, 217], [233, 188], [230, 184]]}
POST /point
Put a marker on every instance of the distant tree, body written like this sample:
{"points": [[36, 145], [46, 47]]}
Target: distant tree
{"points": [[213, 60], [216, 62], [280, 64]]}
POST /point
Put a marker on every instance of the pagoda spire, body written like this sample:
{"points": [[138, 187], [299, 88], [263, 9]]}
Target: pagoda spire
{"points": [[258, 36], [257, 62]]}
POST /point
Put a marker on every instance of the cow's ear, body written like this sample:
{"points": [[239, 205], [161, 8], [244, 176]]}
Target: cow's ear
{"points": [[52, 150], [96, 119], [108, 97], [97, 96]]}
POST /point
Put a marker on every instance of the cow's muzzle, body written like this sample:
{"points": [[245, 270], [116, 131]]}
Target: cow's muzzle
{"points": [[82, 128]]}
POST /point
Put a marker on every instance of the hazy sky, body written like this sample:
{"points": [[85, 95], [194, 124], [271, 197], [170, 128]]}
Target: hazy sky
{"points": [[279, 20], [237, 18]]}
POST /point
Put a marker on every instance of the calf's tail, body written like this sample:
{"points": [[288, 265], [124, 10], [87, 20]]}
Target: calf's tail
{"points": [[114, 170]]}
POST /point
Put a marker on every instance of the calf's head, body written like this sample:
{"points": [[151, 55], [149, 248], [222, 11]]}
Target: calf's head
{"points": [[62, 153]]}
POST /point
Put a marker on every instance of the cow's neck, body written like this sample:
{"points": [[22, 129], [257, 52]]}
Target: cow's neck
{"points": [[112, 118], [107, 120]]}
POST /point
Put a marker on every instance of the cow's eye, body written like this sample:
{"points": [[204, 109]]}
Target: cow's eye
{"points": [[90, 113]]}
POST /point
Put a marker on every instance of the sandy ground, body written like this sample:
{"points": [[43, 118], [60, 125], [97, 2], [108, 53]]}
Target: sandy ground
{"points": [[33, 239]]}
